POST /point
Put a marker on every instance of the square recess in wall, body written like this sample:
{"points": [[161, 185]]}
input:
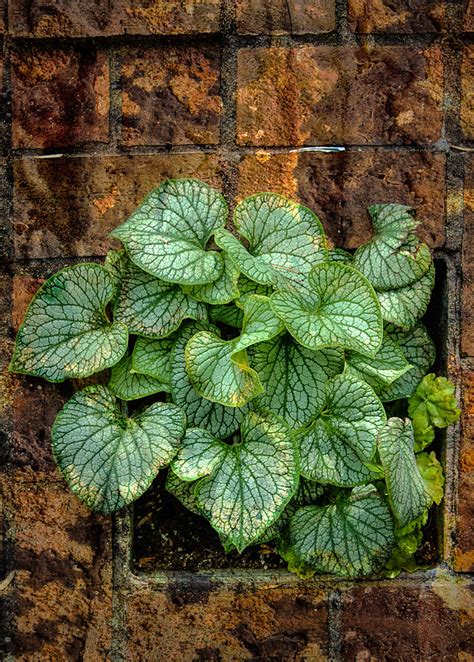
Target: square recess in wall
{"points": [[165, 537]]}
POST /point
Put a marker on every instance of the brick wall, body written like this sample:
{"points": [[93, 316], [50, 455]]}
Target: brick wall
{"points": [[101, 101]]}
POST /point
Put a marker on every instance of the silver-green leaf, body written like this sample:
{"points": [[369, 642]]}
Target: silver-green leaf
{"points": [[66, 332], [285, 240], [341, 441], [380, 370], [394, 258], [167, 235], [338, 308], [128, 385], [293, 378], [257, 477], [153, 357], [403, 307], [351, 537], [150, 306], [218, 420], [221, 291], [406, 489], [108, 459]]}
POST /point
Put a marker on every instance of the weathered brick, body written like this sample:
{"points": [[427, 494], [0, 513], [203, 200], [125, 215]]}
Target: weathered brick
{"points": [[467, 292], [89, 18], [403, 16], [67, 206], [199, 620], [326, 94], [285, 16], [408, 620], [469, 16], [340, 186], [60, 96], [171, 96], [464, 549], [467, 92], [61, 590]]}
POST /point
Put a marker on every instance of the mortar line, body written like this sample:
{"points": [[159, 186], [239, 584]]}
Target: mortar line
{"points": [[335, 626]]}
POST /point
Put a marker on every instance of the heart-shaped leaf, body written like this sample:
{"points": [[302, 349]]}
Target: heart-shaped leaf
{"points": [[128, 385], [107, 459], [338, 308], [342, 440], [218, 420], [351, 537], [405, 306], [251, 483], [285, 240], [218, 369], [407, 492], [183, 491], [150, 307], [419, 351], [221, 291], [293, 378], [166, 236], [153, 357], [380, 370], [394, 257], [199, 455], [66, 332]]}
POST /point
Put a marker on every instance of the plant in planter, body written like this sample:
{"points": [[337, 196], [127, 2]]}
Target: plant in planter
{"points": [[268, 363]]}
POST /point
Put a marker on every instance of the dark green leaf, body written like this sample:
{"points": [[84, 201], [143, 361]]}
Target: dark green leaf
{"points": [[128, 385]]}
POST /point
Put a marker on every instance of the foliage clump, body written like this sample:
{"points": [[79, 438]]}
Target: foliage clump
{"points": [[268, 362]]}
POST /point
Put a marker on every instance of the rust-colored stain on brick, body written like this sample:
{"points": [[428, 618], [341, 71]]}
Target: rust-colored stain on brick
{"points": [[464, 549], [171, 96], [403, 16], [339, 187], [285, 16], [62, 583], [469, 16], [322, 94], [67, 206], [212, 623], [60, 97], [83, 18]]}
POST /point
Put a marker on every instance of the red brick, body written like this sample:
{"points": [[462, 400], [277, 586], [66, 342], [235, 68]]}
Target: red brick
{"points": [[60, 97], [89, 18], [467, 92], [285, 16], [204, 621], [403, 16], [61, 590], [408, 620], [340, 186], [467, 292], [67, 206], [171, 96], [469, 16], [464, 549], [326, 94]]}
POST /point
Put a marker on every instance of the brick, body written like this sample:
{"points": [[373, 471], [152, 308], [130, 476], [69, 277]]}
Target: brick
{"points": [[340, 186], [464, 548], [467, 291], [467, 92], [61, 592], [60, 96], [171, 96], [200, 620], [469, 16], [67, 206], [88, 18], [408, 620], [403, 16], [326, 94], [285, 16]]}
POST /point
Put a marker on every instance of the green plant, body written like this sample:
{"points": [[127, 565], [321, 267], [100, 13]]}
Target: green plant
{"points": [[270, 358]]}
